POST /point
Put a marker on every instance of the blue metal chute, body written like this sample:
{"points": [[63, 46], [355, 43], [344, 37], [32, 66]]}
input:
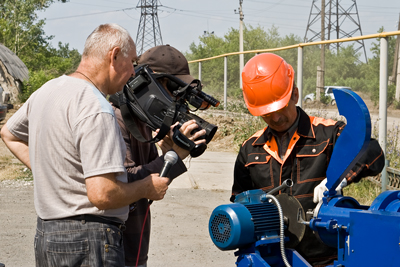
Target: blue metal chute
{"points": [[353, 140]]}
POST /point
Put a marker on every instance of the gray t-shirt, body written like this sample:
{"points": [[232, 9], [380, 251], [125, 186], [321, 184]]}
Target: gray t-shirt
{"points": [[72, 135]]}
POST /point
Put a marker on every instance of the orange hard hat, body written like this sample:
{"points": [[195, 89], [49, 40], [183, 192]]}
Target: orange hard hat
{"points": [[267, 83]]}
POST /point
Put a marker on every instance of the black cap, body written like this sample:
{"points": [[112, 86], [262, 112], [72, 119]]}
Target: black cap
{"points": [[167, 59]]}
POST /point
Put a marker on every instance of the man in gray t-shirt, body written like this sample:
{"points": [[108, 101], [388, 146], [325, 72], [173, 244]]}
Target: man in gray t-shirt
{"points": [[67, 134]]}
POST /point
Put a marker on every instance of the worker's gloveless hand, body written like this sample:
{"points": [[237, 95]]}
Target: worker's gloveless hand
{"points": [[321, 188]]}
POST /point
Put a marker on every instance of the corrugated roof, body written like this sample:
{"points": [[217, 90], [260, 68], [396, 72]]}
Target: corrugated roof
{"points": [[14, 65]]}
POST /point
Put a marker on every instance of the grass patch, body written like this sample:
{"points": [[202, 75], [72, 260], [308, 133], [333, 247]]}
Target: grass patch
{"points": [[248, 127], [6, 159], [10, 171], [364, 192], [25, 174]]}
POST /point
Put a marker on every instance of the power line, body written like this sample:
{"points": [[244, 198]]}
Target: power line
{"points": [[92, 14], [224, 18], [95, 5], [208, 16]]}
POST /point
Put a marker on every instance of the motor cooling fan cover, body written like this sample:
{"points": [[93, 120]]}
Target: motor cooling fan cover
{"points": [[231, 226]]}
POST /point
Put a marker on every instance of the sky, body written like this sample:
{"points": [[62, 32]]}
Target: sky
{"points": [[182, 22]]}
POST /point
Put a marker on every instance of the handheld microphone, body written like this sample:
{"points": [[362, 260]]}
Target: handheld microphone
{"points": [[170, 158]]}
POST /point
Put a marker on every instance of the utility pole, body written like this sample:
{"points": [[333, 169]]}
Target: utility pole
{"points": [[395, 78], [241, 56], [321, 70], [149, 32]]}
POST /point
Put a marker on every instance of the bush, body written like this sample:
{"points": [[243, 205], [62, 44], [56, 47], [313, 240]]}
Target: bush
{"points": [[364, 191], [396, 104], [325, 99], [36, 80]]}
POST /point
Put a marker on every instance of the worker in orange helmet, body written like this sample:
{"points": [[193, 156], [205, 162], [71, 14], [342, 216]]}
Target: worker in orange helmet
{"points": [[293, 145]]}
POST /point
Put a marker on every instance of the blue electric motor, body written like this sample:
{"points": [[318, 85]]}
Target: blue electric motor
{"points": [[256, 217], [235, 225]]}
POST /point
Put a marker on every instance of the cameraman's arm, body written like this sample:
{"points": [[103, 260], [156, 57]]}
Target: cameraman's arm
{"points": [[142, 159], [167, 144]]}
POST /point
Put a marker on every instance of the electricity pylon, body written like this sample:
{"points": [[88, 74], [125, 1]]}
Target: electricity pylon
{"points": [[149, 32], [341, 21]]}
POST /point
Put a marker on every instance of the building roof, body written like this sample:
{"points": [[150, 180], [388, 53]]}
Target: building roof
{"points": [[14, 64]]}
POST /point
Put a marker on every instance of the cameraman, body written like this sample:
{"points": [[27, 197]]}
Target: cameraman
{"points": [[143, 159]]}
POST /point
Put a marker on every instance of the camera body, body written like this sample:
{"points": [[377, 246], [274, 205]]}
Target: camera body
{"points": [[147, 99]]}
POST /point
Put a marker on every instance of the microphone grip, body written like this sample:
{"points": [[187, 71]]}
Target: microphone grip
{"points": [[165, 169], [164, 172]]}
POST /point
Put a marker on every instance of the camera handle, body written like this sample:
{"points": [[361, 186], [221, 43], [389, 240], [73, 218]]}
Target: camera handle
{"points": [[182, 141]]}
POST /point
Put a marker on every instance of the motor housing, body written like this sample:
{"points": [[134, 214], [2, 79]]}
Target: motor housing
{"points": [[235, 225]]}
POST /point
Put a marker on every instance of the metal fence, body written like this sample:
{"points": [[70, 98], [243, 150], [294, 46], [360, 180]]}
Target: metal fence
{"points": [[393, 179], [387, 172]]}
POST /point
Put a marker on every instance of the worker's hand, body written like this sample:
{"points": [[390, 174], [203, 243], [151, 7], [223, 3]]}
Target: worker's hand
{"points": [[157, 187], [321, 188]]}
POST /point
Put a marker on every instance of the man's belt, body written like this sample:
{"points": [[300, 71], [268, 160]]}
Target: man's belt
{"points": [[99, 219]]}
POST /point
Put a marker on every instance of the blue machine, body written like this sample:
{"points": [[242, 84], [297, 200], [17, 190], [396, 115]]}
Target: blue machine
{"points": [[264, 228]]}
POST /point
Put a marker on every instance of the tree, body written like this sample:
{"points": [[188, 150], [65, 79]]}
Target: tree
{"points": [[20, 28], [22, 33], [52, 63], [371, 72], [212, 45]]}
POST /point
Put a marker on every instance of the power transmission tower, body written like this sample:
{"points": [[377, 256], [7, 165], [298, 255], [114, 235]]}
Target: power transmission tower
{"points": [[149, 32], [341, 21]]}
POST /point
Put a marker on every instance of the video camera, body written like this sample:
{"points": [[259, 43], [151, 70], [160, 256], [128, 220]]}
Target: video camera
{"points": [[144, 97]]}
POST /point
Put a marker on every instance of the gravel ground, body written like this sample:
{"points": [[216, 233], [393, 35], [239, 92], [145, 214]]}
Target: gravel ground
{"points": [[17, 223]]}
